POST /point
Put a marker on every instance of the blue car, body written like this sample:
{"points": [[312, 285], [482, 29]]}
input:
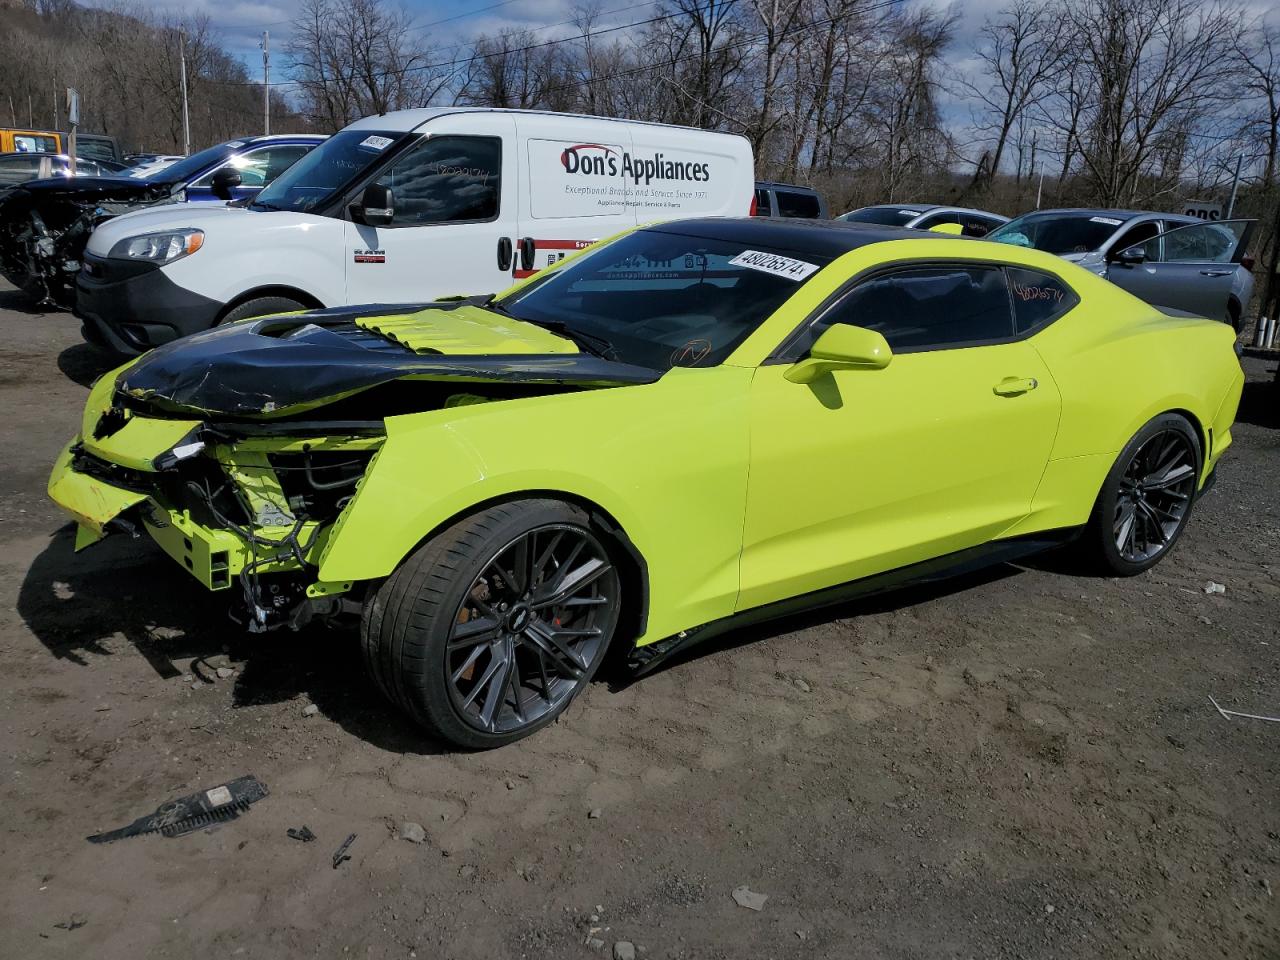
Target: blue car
{"points": [[44, 224]]}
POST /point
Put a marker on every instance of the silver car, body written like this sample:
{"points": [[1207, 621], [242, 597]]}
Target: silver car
{"points": [[928, 216], [1167, 259]]}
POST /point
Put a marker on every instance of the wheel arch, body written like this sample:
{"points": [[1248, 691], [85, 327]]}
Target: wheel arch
{"points": [[632, 566], [308, 300]]}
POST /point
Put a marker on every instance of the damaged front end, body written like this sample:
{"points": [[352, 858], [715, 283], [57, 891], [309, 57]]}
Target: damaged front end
{"points": [[237, 507], [239, 450], [45, 225]]}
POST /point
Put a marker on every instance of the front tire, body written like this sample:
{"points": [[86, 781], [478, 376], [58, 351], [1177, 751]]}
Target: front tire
{"points": [[262, 307], [491, 628], [1146, 499]]}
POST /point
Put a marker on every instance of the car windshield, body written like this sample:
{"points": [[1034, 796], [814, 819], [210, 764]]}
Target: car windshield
{"points": [[1058, 233], [890, 216], [662, 300], [188, 168], [314, 178]]}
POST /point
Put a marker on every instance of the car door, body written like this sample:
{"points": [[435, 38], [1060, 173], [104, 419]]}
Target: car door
{"points": [[864, 470], [1190, 268], [454, 196]]}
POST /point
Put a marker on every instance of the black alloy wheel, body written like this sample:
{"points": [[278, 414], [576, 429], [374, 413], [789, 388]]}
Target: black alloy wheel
{"points": [[488, 631], [1146, 499], [1155, 495], [530, 627]]}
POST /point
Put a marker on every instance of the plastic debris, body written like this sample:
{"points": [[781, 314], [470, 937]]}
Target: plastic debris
{"points": [[745, 897], [304, 833], [341, 854], [177, 818]]}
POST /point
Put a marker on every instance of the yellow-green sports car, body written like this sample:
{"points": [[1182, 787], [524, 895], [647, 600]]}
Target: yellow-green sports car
{"points": [[677, 430]]}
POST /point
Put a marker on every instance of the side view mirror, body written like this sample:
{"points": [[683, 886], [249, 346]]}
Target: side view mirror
{"points": [[224, 181], [1129, 256], [842, 346], [376, 207], [953, 229]]}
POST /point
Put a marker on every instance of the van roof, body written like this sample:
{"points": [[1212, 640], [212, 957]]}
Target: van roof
{"points": [[403, 121]]}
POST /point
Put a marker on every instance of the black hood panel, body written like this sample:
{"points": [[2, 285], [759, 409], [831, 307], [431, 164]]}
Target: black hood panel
{"points": [[91, 189], [275, 366]]}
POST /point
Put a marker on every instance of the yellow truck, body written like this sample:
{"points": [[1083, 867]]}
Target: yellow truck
{"points": [[19, 140]]}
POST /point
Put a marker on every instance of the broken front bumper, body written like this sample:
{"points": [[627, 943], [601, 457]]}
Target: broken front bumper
{"points": [[229, 508]]}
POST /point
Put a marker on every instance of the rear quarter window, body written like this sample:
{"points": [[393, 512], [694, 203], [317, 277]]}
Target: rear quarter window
{"points": [[797, 204], [1038, 298]]}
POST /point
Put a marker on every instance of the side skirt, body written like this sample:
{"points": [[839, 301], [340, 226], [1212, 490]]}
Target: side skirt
{"points": [[646, 659]]}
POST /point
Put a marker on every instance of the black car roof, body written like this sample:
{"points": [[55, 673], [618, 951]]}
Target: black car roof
{"points": [[829, 238]]}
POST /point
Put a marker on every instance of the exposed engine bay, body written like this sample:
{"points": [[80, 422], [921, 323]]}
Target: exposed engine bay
{"points": [[44, 230]]}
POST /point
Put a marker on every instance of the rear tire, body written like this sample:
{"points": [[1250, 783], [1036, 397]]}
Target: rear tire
{"points": [[262, 307], [491, 628], [1146, 499]]}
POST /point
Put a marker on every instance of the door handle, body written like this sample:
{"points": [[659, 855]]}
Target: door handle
{"points": [[1014, 386], [1215, 273]]}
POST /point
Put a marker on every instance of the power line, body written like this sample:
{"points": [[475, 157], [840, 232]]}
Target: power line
{"points": [[499, 53]]}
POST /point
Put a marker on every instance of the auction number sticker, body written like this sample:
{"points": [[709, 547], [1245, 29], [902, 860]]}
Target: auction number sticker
{"points": [[772, 263], [1109, 221], [378, 143]]}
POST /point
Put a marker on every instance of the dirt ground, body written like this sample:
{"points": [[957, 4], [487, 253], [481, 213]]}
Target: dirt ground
{"points": [[1024, 763]]}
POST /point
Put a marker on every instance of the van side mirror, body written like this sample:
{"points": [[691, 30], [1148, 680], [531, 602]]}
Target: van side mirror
{"points": [[1129, 256], [376, 207], [224, 181], [842, 346]]}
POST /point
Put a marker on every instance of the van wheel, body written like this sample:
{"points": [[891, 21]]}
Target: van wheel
{"points": [[1146, 500], [262, 307], [491, 628]]}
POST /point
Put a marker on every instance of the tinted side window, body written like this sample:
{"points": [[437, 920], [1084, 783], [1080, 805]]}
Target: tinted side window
{"points": [[933, 219], [1038, 298], [763, 207], [446, 180], [973, 226], [797, 204], [927, 307], [1135, 236]]}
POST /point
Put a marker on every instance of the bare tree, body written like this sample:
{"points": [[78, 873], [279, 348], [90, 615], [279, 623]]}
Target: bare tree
{"points": [[1020, 53], [353, 58]]}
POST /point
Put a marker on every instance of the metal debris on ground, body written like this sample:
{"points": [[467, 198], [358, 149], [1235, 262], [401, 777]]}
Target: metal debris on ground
{"points": [[304, 834], [1228, 714], [341, 853], [75, 923], [176, 818], [744, 897]]}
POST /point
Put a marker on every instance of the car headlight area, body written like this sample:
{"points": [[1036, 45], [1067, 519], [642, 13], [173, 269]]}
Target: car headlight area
{"points": [[161, 247]]}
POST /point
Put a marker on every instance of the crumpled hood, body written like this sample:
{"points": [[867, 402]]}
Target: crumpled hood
{"points": [[274, 366], [96, 189]]}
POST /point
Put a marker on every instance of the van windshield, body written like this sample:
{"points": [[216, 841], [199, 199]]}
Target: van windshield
{"points": [[332, 165]]}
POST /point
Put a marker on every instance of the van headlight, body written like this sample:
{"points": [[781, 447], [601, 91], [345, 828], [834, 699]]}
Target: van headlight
{"points": [[163, 247]]}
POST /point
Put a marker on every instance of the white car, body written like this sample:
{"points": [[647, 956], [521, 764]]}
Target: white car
{"points": [[928, 216], [406, 207], [149, 168]]}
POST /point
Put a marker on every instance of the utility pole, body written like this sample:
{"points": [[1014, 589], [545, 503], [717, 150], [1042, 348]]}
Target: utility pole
{"points": [[1235, 184], [56, 121], [266, 82], [31, 111], [14, 113], [186, 117]]}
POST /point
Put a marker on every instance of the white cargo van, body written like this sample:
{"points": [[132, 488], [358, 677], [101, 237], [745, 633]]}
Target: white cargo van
{"points": [[404, 208]]}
